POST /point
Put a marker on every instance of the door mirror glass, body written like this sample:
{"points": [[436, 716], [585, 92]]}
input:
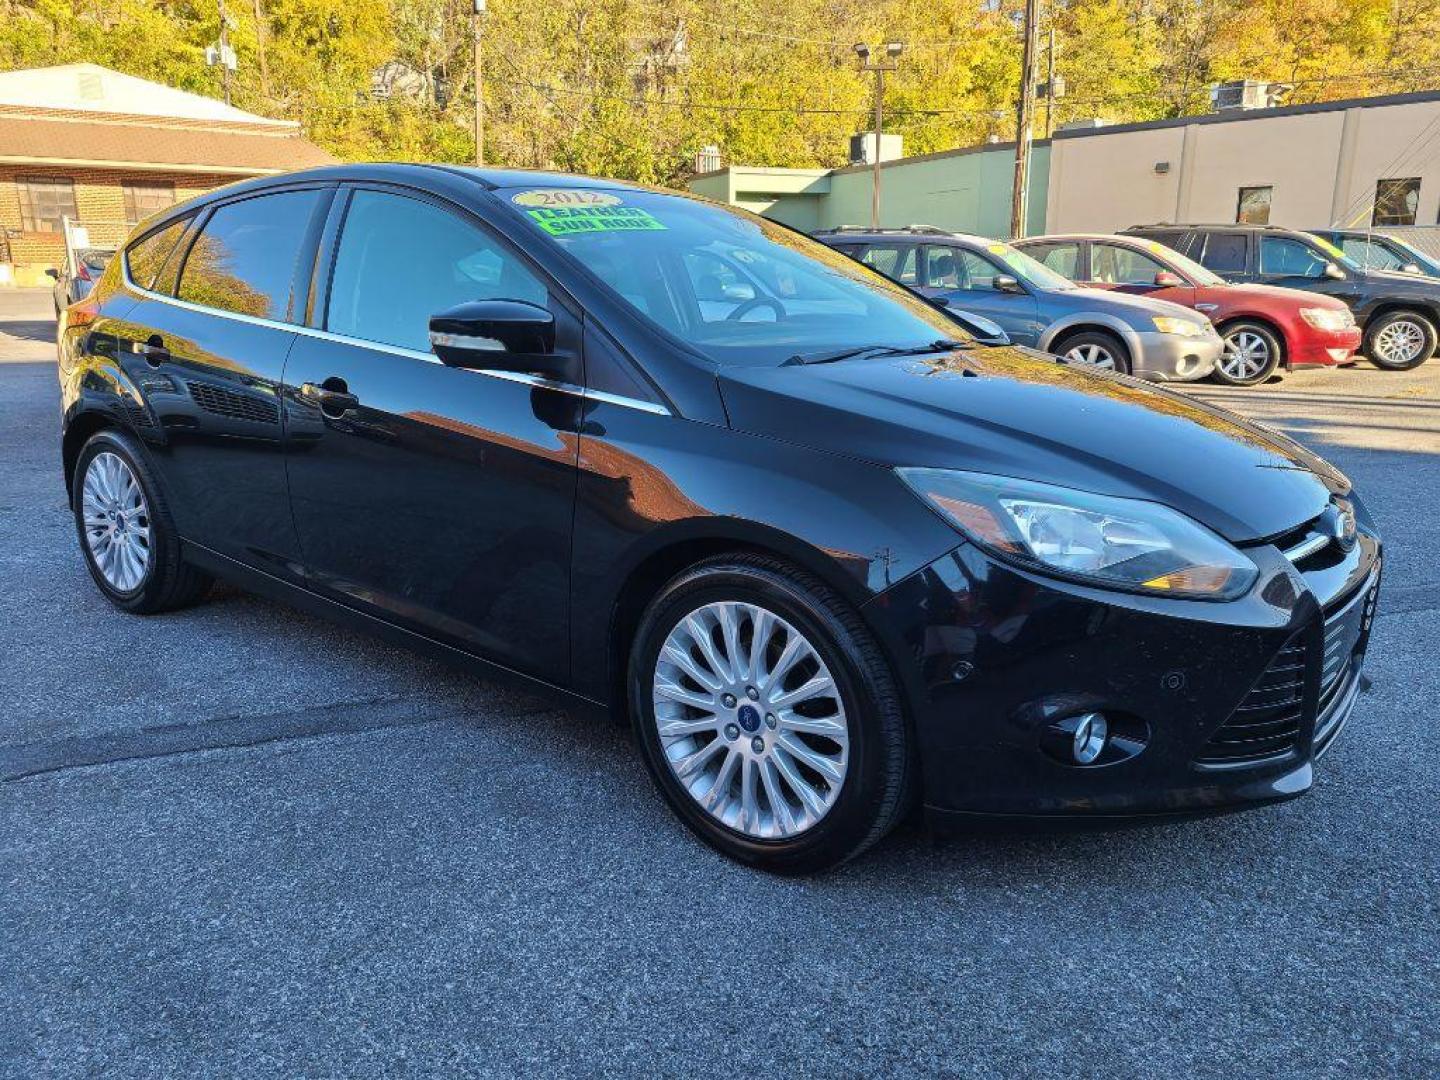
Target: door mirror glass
{"points": [[1006, 283], [52, 273], [1332, 270], [1165, 279], [1411, 268], [508, 335]]}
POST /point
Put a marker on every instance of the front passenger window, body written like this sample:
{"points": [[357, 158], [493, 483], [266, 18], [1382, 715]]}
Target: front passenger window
{"points": [[401, 260]]}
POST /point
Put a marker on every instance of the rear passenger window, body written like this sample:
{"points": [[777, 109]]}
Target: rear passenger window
{"points": [[895, 261], [401, 261], [245, 258], [144, 258], [1225, 252]]}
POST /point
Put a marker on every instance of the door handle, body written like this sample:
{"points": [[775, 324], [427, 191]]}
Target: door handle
{"points": [[154, 350], [333, 396]]}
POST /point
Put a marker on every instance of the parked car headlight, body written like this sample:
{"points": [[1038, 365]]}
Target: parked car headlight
{"points": [[1328, 318], [1168, 324], [1119, 543]]}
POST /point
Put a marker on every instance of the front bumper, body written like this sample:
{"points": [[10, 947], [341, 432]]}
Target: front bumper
{"points": [[1324, 348], [995, 657], [1172, 358]]}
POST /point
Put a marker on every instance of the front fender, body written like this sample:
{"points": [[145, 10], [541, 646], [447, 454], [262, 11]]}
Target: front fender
{"points": [[1098, 320]]}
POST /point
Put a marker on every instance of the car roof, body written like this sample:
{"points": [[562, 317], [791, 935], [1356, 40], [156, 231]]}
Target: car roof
{"points": [[1046, 238], [1224, 226]]}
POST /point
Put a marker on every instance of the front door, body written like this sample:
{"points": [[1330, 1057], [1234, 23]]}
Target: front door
{"points": [[209, 352], [438, 498], [966, 281]]}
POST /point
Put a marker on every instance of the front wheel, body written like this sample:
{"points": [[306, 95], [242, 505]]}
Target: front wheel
{"points": [[1400, 340], [768, 716], [1250, 355], [1096, 349]]}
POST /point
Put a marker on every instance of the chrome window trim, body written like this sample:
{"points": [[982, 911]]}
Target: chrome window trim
{"points": [[637, 404]]}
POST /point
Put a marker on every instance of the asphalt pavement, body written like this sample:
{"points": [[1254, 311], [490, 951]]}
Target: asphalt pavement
{"points": [[237, 841]]}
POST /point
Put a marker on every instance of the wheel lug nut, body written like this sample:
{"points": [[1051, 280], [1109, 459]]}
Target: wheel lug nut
{"points": [[732, 732], [752, 693], [770, 721], [757, 744], [728, 700]]}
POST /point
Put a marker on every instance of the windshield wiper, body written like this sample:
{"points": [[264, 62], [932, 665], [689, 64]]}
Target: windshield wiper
{"points": [[942, 345]]}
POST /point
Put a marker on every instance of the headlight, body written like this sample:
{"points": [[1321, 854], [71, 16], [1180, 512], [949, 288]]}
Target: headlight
{"points": [[1328, 318], [1118, 543], [1168, 324]]}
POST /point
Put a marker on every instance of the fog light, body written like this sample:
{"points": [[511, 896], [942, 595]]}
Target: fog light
{"points": [[1091, 733]]}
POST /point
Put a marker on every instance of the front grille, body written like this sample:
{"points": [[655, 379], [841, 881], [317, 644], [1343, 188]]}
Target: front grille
{"points": [[222, 401], [1343, 629], [1267, 723]]}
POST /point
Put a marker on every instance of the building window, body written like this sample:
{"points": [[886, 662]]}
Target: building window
{"points": [[1254, 206], [146, 197], [1396, 201], [44, 201]]}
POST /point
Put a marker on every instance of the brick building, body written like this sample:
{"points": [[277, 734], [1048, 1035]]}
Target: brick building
{"points": [[106, 150]]}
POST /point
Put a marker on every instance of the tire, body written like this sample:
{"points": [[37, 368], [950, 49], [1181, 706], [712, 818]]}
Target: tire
{"points": [[788, 835], [1252, 353], [1087, 344], [1400, 340], [140, 521]]}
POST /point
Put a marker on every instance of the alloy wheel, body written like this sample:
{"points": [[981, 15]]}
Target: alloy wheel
{"points": [[1399, 342], [750, 720], [116, 521], [1245, 356], [1096, 356]]}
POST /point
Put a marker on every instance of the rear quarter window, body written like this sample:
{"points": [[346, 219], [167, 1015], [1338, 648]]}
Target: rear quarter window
{"points": [[145, 257]]}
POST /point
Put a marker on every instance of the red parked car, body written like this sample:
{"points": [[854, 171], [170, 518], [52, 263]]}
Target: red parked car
{"points": [[1263, 327]]}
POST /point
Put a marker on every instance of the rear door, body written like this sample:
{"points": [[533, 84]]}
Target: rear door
{"points": [[1225, 253], [207, 342], [437, 498]]}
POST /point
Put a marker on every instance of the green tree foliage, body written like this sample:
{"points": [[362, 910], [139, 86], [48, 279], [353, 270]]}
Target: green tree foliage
{"points": [[634, 88]]}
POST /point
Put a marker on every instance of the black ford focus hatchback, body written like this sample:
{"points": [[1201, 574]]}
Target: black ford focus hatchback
{"points": [[674, 462]]}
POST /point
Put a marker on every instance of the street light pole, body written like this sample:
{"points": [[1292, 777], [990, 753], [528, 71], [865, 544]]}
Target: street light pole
{"points": [[1025, 121], [479, 22], [893, 50]]}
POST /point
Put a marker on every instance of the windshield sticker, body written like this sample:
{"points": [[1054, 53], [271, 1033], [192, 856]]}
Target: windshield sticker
{"points": [[996, 249], [566, 221], [566, 197]]}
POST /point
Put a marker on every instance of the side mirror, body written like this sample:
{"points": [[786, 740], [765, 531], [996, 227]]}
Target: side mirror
{"points": [[1006, 283], [1411, 268], [1333, 271], [52, 273], [509, 335], [1164, 279], [938, 301]]}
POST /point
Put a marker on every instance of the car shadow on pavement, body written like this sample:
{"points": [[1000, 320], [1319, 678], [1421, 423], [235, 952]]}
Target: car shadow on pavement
{"points": [[29, 329]]}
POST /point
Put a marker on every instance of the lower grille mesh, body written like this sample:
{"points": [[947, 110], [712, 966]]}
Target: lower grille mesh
{"points": [[1267, 722]]}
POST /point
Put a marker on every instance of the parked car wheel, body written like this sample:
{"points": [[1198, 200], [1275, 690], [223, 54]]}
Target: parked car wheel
{"points": [[1250, 355], [126, 532], [1096, 349], [1400, 340], [768, 716]]}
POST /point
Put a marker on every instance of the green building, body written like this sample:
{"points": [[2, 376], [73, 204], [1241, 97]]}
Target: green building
{"points": [[964, 190]]}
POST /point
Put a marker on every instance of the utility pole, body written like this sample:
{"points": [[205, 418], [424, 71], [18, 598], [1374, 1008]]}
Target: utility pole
{"points": [[1049, 83], [479, 27], [893, 49], [262, 37], [222, 55], [1019, 195]]}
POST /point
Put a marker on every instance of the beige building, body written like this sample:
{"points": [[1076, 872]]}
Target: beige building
{"points": [[1367, 161], [103, 150]]}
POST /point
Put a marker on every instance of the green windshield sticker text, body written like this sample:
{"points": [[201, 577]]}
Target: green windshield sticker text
{"points": [[568, 220]]}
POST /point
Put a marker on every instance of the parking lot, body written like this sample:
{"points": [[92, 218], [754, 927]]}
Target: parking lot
{"points": [[238, 841]]}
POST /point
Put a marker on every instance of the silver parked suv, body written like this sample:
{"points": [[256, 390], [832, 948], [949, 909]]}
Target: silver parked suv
{"points": [[1035, 306]]}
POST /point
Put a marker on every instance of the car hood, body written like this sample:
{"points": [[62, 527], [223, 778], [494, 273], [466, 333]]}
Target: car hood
{"points": [[1299, 297], [1011, 412], [1138, 309], [1398, 284]]}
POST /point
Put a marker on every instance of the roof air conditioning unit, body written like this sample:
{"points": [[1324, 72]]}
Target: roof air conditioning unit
{"points": [[862, 148], [1239, 94]]}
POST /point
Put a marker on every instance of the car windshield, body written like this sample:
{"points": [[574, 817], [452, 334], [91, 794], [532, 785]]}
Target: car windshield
{"points": [[737, 288], [1201, 276], [1029, 269], [1333, 253]]}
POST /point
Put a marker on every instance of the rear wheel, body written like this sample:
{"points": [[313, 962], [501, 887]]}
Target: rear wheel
{"points": [[126, 532], [1400, 340], [1097, 349], [1251, 354], [768, 716]]}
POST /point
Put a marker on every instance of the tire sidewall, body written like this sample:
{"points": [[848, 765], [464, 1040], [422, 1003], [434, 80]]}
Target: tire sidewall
{"points": [[1124, 363], [1427, 328], [853, 814], [1272, 342], [161, 539]]}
